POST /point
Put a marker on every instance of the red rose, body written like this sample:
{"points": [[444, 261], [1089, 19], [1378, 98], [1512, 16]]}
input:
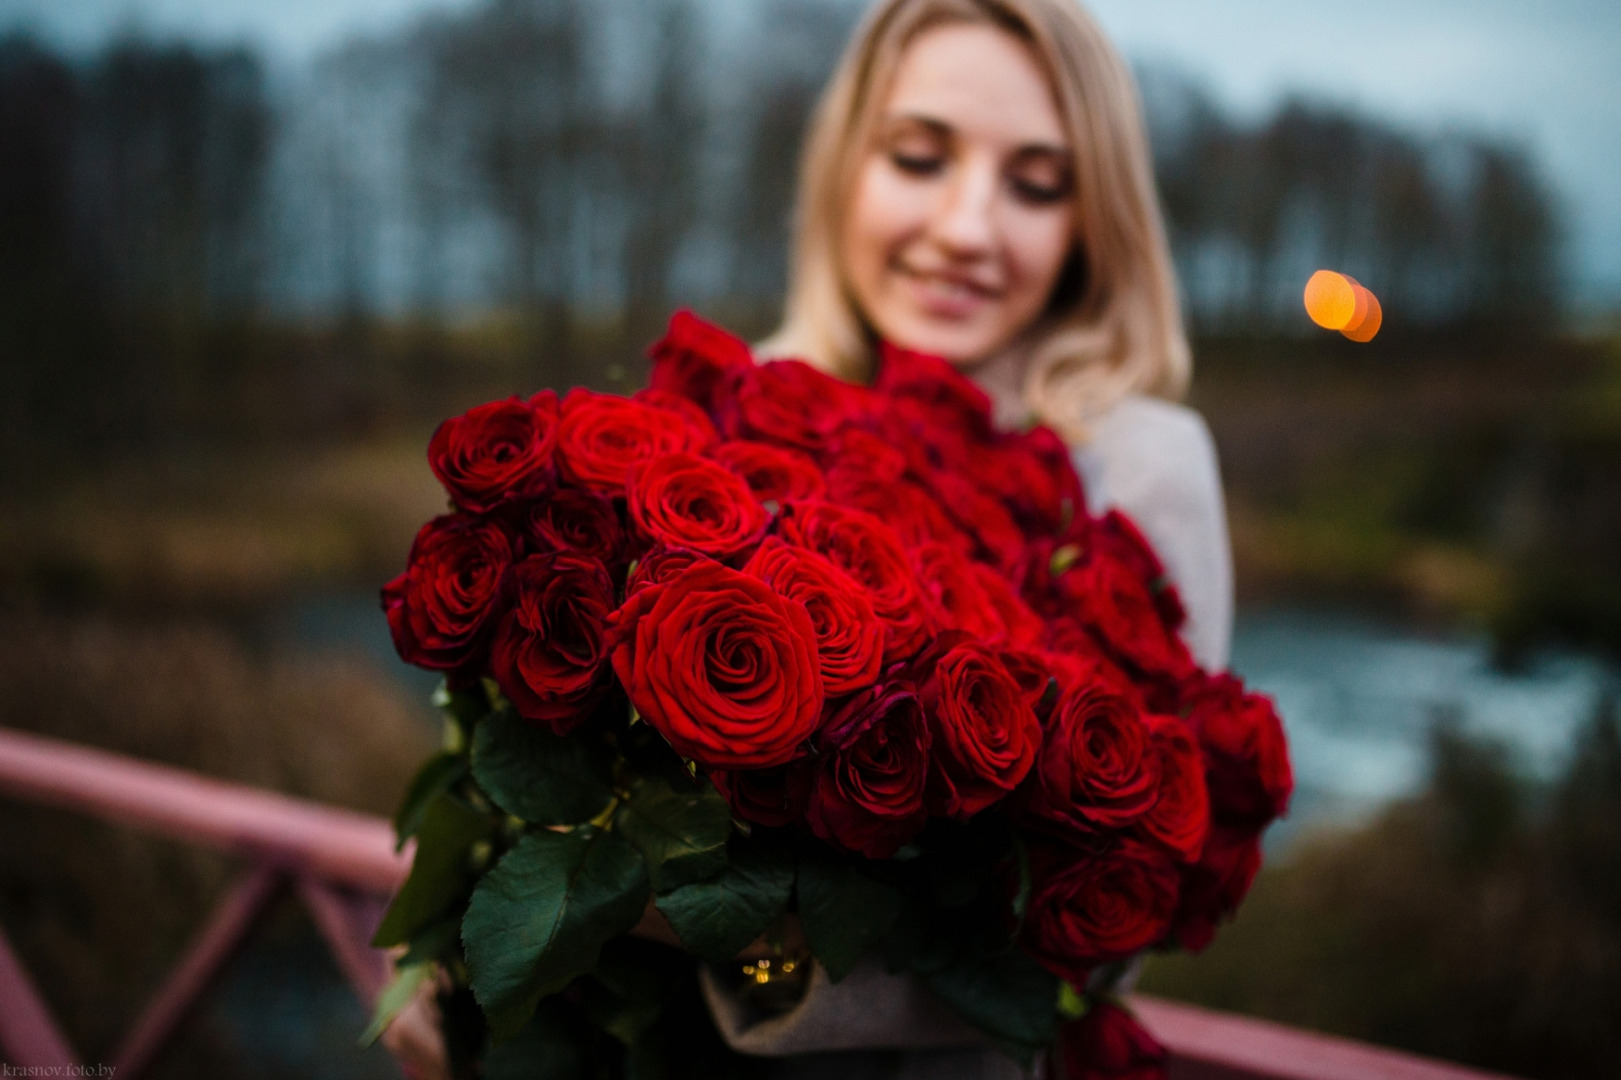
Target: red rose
{"points": [[600, 438], [789, 403], [495, 452], [576, 520], [550, 654], [952, 398], [1180, 818], [1125, 542], [867, 792], [980, 516], [770, 797], [912, 512], [1093, 907], [1033, 672], [1097, 768], [658, 567], [849, 637], [773, 473], [695, 358], [440, 609], [1108, 1044], [857, 452], [682, 500], [1115, 602], [948, 578], [869, 551], [1035, 478], [1246, 753], [724, 668], [1019, 625], [1214, 887], [984, 731], [673, 402]]}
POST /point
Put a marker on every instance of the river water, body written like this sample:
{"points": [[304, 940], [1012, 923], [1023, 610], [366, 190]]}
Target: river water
{"points": [[1360, 697]]}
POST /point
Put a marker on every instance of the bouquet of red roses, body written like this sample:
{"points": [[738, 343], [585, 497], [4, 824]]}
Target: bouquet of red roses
{"points": [[756, 644]]}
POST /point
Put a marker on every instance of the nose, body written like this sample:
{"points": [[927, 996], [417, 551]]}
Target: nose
{"points": [[964, 223]]}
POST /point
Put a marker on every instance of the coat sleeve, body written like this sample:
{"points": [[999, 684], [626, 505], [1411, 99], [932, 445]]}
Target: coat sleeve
{"points": [[1157, 462]]}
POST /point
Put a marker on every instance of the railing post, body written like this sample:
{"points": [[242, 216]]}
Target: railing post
{"points": [[28, 1032], [202, 963]]}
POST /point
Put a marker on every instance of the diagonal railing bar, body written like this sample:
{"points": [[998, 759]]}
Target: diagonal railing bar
{"points": [[347, 921], [28, 1031], [221, 937], [1209, 1045], [337, 845], [344, 867]]}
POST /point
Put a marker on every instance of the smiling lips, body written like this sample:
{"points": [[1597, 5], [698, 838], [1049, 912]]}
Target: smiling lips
{"points": [[945, 294]]}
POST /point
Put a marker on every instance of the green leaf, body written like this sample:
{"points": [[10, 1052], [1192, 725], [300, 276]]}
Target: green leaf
{"points": [[439, 871], [718, 918], [681, 832], [434, 942], [547, 1047], [408, 978], [537, 776], [466, 706], [437, 774], [540, 917], [844, 912], [1007, 995], [622, 998]]}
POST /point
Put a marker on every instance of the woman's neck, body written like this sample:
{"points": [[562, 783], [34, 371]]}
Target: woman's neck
{"points": [[1002, 379]]}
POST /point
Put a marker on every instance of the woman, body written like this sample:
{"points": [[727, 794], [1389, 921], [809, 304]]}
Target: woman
{"points": [[977, 185]]}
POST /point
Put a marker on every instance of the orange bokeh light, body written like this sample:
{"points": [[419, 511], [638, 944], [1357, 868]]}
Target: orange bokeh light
{"points": [[1339, 302], [1330, 299]]}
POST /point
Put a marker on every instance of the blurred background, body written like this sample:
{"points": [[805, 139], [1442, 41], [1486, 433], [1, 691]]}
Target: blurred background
{"points": [[252, 251]]}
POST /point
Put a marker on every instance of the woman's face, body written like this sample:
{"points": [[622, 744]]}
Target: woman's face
{"points": [[963, 210]]}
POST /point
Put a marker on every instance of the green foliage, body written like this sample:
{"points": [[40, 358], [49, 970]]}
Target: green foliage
{"points": [[547, 1047], [538, 919], [998, 989], [1007, 995], [440, 875], [407, 980], [718, 918], [681, 828], [542, 778], [437, 775], [845, 913]]}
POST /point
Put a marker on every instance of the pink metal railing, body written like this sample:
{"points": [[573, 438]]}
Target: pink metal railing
{"points": [[343, 867]]}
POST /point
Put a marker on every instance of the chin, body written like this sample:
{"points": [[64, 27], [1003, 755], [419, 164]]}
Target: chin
{"points": [[961, 348]]}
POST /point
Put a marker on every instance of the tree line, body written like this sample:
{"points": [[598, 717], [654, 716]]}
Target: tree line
{"points": [[167, 209]]}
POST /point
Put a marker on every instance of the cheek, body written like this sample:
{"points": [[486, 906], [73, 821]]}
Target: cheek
{"points": [[1037, 245], [885, 213]]}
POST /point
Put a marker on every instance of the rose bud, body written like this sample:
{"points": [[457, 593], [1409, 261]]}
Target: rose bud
{"points": [[600, 438], [1097, 769], [849, 637], [984, 731], [867, 792], [682, 500], [550, 655], [1095, 907], [440, 610], [496, 452]]}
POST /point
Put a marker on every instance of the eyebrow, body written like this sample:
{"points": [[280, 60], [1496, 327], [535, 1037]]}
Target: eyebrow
{"points": [[944, 130]]}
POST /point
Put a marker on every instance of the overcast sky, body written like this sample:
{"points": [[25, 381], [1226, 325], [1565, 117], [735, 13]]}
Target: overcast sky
{"points": [[1546, 73]]}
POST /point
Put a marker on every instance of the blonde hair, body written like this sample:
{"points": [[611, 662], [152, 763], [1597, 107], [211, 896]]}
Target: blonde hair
{"points": [[1114, 324]]}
